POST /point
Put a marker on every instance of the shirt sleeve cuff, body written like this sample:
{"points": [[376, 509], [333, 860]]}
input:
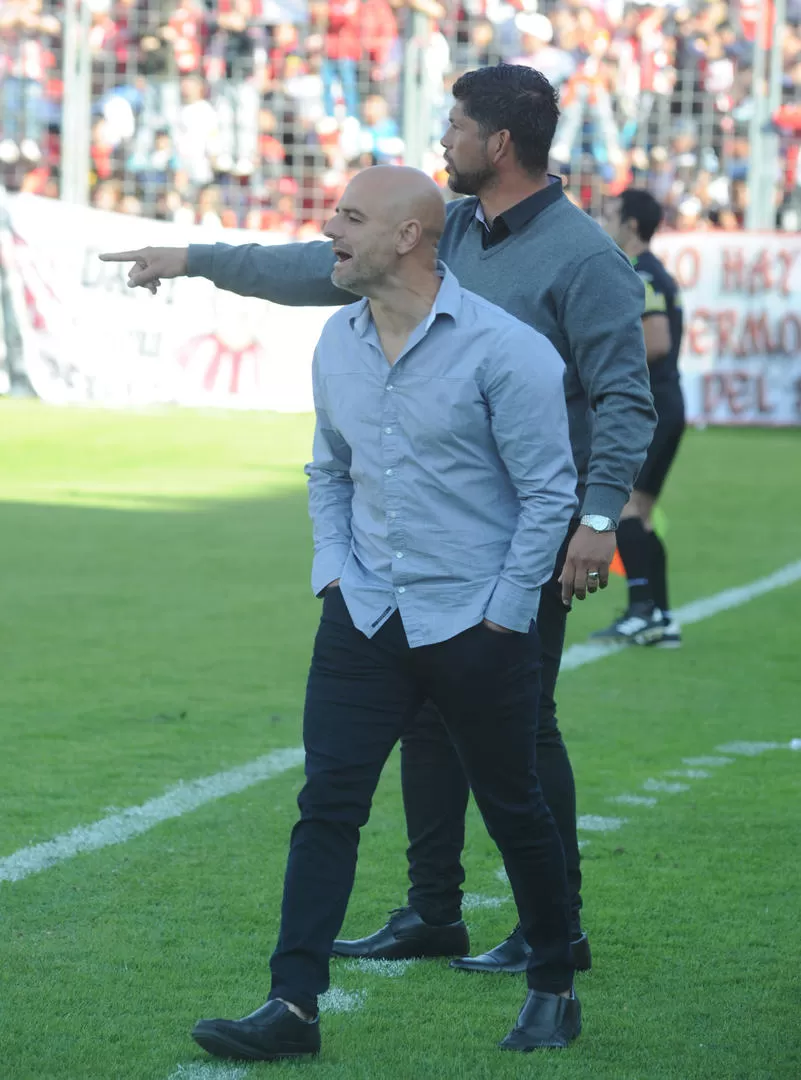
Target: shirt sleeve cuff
{"points": [[513, 607], [200, 260], [327, 566], [603, 500]]}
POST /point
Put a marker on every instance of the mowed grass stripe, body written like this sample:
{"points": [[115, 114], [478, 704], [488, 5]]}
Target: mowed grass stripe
{"points": [[186, 797]]}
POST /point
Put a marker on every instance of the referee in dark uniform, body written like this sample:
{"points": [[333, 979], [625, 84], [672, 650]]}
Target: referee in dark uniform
{"points": [[632, 220]]}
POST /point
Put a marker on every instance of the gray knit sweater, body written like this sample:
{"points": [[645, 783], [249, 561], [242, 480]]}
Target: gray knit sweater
{"points": [[560, 274]]}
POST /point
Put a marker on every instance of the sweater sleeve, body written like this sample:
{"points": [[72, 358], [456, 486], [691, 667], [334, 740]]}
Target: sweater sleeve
{"points": [[602, 310], [297, 275]]}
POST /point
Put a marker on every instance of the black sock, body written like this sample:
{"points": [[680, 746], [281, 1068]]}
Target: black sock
{"points": [[658, 571], [632, 543]]}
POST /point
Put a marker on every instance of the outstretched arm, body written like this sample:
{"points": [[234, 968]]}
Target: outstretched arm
{"points": [[298, 275]]}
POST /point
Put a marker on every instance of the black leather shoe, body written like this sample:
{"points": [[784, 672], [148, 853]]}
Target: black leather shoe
{"points": [[268, 1034], [407, 937], [512, 956], [546, 1022]]}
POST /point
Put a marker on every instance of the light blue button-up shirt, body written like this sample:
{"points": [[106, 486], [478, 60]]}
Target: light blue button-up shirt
{"points": [[443, 485]]}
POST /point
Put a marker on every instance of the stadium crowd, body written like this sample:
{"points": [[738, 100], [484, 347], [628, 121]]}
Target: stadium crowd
{"points": [[256, 113]]}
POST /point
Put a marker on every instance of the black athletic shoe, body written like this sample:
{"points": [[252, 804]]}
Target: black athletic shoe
{"points": [[511, 956], [407, 937], [270, 1033], [671, 634], [642, 624], [546, 1022]]}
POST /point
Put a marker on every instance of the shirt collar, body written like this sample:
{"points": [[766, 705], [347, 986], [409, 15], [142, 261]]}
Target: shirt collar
{"points": [[519, 215], [448, 302]]}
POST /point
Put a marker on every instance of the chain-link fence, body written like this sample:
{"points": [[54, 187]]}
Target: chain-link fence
{"points": [[254, 113]]}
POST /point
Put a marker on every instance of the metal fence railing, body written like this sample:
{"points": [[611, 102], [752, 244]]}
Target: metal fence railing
{"points": [[254, 113]]}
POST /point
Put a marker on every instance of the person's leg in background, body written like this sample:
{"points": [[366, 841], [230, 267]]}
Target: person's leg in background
{"points": [[31, 145], [435, 795], [570, 123], [348, 77], [11, 97], [246, 98], [486, 684], [359, 696], [643, 555], [328, 72], [558, 786]]}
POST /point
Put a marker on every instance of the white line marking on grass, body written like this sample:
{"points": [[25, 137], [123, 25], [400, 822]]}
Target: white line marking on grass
{"points": [[752, 749], [501, 875], [795, 744], [476, 902], [690, 774], [579, 655], [210, 1070], [596, 823], [385, 969], [125, 824], [184, 798], [666, 786], [337, 1000], [708, 762], [633, 800]]}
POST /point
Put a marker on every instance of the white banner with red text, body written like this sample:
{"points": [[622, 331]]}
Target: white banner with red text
{"points": [[88, 338], [741, 354]]}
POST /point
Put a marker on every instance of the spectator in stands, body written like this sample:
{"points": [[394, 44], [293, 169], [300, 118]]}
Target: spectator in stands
{"points": [[538, 52], [155, 170], [26, 36], [237, 49], [380, 134], [197, 133], [107, 194], [655, 94], [342, 51]]}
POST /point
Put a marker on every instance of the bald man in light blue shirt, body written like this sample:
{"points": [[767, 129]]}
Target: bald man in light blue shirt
{"points": [[441, 487]]}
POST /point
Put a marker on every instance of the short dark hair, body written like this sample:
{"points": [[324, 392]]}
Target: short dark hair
{"points": [[644, 209], [515, 98]]}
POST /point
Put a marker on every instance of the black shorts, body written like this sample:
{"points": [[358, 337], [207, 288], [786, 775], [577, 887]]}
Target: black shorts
{"points": [[670, 425]]}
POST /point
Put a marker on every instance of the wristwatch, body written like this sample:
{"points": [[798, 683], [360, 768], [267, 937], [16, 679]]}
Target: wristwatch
{"points": [[598, 523]]}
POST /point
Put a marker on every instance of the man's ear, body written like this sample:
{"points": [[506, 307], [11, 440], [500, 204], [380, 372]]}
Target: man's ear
{"points": [[502, 148], [409, 234]]}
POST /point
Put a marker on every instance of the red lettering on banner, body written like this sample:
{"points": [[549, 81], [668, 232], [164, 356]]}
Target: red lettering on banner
{"points": [[733, 267], [727, 323], [698, 335], [762, 403], [750, 335], [761, 279], [713, 391], [790, 335], [738, 392], [786, 258], [687, 268], [768, 271], [756, 337]]}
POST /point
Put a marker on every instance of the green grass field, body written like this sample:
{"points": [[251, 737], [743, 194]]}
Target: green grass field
{"points": [[156, 624]]}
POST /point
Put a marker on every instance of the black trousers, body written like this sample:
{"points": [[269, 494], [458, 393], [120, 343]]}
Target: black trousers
{"points": [[435, 789], [362, 694]]}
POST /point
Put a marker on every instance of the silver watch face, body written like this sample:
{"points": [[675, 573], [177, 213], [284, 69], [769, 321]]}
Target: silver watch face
{"points": [[598, 522]]}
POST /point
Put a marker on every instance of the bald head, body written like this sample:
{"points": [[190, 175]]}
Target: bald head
{"points": [[397, 193], [388, 222]]}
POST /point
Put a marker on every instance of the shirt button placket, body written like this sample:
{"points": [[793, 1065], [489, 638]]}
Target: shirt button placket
{"points": [[389, 423]]}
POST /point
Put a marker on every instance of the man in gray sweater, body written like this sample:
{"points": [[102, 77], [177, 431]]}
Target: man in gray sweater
{"points": [[519, 242]]}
